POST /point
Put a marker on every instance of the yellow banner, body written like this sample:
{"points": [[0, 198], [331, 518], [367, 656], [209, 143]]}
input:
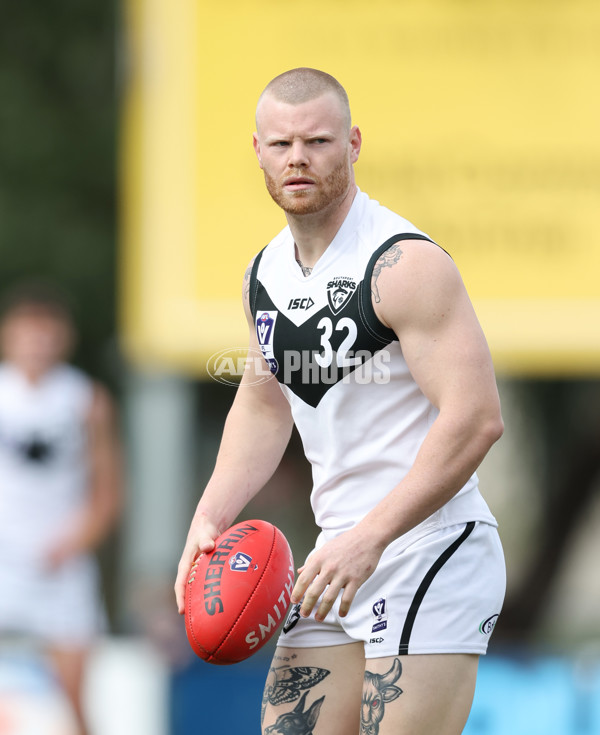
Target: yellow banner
{"points": [[480, 124]]}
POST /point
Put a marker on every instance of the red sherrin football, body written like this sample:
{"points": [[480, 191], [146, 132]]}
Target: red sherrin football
{"points": [[238, 595]]}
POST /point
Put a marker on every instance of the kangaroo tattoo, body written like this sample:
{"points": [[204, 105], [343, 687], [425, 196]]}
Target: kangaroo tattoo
{"points": [[298, 721]]}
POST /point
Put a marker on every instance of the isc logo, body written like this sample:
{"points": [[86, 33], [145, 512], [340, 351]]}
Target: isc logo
{"points": [[305, 303]]}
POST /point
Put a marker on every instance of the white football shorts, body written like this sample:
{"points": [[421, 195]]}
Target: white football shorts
{"points": [[60, 607], [441, 594]]}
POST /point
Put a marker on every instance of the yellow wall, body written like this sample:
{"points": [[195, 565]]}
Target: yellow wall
{"points": [[480, 123]]}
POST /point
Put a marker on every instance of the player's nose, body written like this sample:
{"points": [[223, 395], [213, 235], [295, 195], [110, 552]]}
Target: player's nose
{"points": [[298, 154]]}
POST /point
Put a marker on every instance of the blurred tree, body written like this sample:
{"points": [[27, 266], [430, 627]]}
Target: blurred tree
{"points": [[58, 122]]}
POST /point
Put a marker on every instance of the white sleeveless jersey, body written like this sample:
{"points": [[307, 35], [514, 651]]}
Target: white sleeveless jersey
{"points": [[43, 465], [359, 412]]}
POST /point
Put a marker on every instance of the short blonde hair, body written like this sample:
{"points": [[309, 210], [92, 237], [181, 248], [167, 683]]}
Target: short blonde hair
{"points": [[304, 84]]}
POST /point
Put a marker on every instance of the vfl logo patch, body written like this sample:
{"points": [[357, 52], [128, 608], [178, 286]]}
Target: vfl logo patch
{"points": [[380, 616], [339, 291], [241, 562], [265, 327], [487, 627]]}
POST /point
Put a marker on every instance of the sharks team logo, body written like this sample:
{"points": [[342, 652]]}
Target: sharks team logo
{"points": [[339, 291], [292, 618]]}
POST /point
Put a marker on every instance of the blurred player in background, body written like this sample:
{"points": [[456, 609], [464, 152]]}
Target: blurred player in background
{"points": [[381, 363], [60, 485]]}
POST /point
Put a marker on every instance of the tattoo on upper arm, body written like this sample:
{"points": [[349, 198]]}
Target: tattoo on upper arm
{"points": [[391, 256], [287, 684], [246, 288], [378, 690]]}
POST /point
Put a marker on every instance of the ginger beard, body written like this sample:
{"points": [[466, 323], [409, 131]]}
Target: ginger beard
{"points": [[324, 192]]}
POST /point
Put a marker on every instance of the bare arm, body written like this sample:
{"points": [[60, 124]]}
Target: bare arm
{"points": [[420, 295], [256, 433], [97, 518], [448, 357]]}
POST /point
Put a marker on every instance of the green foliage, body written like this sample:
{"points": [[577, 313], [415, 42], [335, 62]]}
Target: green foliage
{"points": [[58, 116]]}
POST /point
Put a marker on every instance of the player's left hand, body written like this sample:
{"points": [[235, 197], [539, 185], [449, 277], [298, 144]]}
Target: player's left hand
{"points": [[345, 562]]}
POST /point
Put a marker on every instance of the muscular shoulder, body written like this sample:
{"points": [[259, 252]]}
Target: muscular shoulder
{"points": [[414, 280]]}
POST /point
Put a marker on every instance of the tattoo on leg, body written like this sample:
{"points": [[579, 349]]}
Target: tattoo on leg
{"points": [[286, 684], [298, 721], [378, 690], [387, 260]]}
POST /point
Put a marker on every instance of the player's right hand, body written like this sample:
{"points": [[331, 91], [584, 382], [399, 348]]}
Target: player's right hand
{"points": [[200, 540]]}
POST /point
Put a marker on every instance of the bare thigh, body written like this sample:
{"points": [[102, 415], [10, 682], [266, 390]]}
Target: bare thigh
{"points": [[69, 666], [418, 694], [314, 691]]}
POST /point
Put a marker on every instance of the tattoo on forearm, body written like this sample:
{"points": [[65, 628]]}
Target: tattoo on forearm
{"points": [[378, 690], [391, 256], [288, 684]]}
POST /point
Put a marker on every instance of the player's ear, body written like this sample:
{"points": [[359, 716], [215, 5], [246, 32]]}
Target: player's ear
{"points": [[256, 145], [355, 143]]}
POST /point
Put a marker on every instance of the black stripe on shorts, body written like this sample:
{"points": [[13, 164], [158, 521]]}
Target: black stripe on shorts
{"points": [[424, 586]]}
